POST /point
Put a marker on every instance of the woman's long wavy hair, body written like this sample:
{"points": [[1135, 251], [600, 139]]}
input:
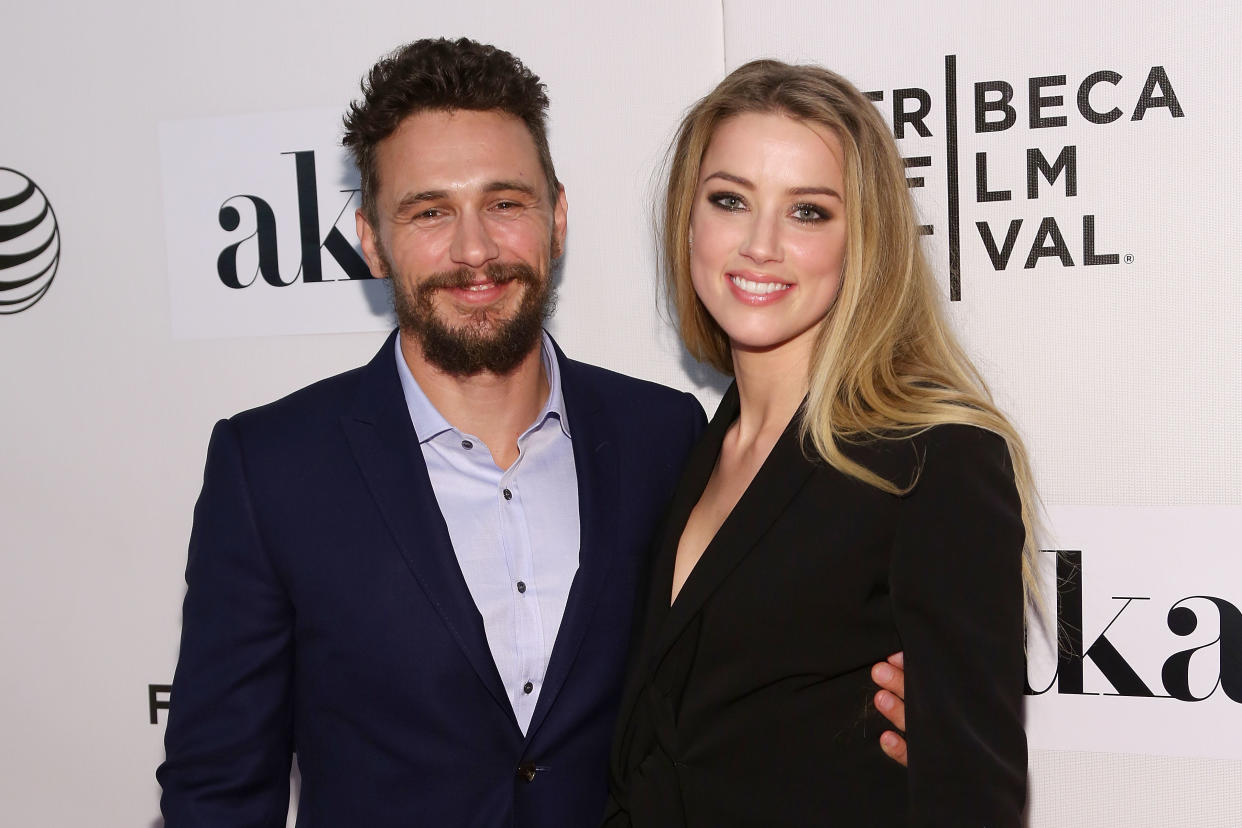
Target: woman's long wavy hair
{"points": [[885, 363]]}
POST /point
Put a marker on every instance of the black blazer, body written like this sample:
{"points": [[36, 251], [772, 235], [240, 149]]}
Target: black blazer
{"points": [[749, 701]]}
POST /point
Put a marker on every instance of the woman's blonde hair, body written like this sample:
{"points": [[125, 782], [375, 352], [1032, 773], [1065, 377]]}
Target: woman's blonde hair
{"points": [[885, 362]]}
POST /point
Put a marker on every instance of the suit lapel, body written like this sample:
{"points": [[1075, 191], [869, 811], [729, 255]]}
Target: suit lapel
{"points": [[386, 449], [596, 465], [782, 474]]}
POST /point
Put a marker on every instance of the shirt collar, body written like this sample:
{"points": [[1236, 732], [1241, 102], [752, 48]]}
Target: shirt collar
{"points": [[429, 422]]}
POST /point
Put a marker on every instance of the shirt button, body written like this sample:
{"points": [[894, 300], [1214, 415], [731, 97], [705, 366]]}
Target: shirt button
{"points": [[508, 494], [467, 445], [521, 585], [527, 688], [526, 771]]}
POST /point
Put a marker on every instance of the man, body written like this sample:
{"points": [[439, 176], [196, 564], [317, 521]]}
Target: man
{"points": [[420, 575]]}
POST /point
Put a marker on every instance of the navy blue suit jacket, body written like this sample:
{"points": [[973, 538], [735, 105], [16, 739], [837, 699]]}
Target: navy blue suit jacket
{"points": [[326, 614]]}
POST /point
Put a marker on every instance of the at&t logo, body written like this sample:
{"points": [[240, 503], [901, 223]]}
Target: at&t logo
{"points": [[29, 242]]}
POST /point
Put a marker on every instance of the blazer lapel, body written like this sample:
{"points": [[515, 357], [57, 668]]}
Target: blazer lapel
{"points": [[782, 474], [595, 461], [386, 449]]}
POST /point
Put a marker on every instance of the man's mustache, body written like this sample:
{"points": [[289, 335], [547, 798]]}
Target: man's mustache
{"points": [[464, 277]]}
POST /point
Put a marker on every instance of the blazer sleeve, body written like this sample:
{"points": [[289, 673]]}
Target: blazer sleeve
{"points": [[229, 737], [958, 599]]}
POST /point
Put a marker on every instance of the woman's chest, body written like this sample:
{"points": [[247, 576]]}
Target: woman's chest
{"points": [[811, 594]]}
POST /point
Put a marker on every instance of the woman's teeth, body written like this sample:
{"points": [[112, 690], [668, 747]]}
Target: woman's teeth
{"points": [[758, 287]]}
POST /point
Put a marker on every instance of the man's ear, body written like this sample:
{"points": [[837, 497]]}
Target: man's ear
{"points": [[560, 216], [369, 239]]}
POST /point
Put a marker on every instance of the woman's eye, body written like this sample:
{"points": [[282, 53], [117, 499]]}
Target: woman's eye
{"points": [[728, 201], [808, 213]]}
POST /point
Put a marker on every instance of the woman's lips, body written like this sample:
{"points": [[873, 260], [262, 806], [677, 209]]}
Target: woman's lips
{"points": [[757, 289]]}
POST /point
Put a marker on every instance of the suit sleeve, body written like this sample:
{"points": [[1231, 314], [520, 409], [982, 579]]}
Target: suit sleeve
{"points": [[697, 420], [957, 595], [228, 742], [684, 431]]}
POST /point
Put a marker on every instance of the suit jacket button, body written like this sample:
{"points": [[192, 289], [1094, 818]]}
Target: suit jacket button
{"points": [[526, 771]]}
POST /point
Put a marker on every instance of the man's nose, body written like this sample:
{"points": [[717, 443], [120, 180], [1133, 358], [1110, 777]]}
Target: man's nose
{"points": [[473, 245]]}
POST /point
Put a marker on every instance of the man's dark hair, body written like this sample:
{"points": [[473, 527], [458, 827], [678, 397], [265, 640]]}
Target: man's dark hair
{"points": [[442, 74]]}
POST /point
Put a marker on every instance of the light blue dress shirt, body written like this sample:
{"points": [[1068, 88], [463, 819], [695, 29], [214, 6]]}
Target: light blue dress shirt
{"points": [[515, 531]]}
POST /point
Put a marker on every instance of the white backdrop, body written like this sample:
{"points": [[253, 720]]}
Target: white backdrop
{"points": [[1124, 377]]}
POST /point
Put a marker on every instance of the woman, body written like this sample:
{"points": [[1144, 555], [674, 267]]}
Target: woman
{"points": [[856, 493]]}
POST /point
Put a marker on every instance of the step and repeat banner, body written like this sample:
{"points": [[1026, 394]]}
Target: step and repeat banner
{"points": [[177, 244]]}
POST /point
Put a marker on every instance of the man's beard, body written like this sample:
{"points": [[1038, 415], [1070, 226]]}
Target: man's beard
{"points": [[484, 341]]}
